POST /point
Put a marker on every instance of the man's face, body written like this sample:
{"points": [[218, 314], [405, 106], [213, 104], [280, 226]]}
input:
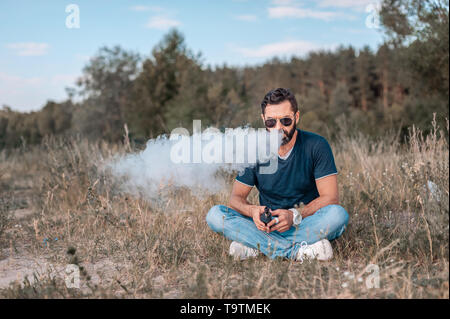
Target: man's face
{"points": [[279, 111]]}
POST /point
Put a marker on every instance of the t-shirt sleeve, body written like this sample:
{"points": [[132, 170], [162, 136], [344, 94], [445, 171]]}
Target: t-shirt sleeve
{"points": [[323, 159], [247, 177]]}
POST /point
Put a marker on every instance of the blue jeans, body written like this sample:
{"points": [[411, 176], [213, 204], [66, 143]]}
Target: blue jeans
{"points": [[327, 222]]}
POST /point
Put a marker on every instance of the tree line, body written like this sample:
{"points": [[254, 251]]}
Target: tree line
{"points": [[401, 83]]}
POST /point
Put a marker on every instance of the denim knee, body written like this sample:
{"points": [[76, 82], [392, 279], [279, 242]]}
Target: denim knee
{"points": [[338, 215], [215, 218]]}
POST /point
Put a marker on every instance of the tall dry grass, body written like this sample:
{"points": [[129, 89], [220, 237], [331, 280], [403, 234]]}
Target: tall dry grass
{"points": [[156, 250]]}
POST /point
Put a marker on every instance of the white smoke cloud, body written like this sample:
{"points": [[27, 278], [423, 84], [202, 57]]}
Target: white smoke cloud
{"points": [[181, 161]]}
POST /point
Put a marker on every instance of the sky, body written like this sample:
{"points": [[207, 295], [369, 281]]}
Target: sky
{"points": [[45, 44]]}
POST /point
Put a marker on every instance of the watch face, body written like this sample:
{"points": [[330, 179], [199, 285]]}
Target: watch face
{"points": [[297, 218]]}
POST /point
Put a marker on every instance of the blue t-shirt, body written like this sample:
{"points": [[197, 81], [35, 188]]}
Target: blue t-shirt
{"points": [[294, 180]]}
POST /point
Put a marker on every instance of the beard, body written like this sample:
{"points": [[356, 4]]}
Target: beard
{"points": [[289, 134]]}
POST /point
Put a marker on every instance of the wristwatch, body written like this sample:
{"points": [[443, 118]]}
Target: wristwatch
{"points": [[297, 216]]}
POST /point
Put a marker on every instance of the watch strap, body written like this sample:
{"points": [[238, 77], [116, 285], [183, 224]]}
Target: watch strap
{"points": [[297, 216]]}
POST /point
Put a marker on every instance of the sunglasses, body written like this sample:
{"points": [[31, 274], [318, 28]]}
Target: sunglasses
{"points": [[285, 121]]}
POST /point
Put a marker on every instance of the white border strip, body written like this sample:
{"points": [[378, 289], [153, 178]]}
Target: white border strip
{"points": [[326, 175], [244, 183]]}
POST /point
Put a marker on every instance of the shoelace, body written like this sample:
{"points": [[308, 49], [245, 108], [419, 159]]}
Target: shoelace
{"points": [[302, 251]]}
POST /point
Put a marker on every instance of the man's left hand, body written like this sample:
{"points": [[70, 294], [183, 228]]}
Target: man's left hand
{"points": [[285, 218]]}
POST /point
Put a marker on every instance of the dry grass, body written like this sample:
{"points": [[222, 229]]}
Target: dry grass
{"points": [[166, 249]]}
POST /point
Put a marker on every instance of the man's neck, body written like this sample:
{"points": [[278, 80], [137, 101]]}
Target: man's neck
{"points": [[287, 147]]}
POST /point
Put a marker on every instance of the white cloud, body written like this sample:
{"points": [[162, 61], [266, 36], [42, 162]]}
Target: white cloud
{"points": [[357, 5], [283, 2], [296, 12], [285, 48], [161, 20], [162, 23], [141, 8], [31, 93], [246, 17], [28, 48]]}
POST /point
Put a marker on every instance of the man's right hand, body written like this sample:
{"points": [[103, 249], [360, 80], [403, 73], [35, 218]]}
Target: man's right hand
{"points": [[256, 212]]}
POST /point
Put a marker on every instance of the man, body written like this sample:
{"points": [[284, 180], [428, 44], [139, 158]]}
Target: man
{"points": [[306, 173]]}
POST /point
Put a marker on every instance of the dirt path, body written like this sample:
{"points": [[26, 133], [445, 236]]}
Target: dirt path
{"points": [[18, 261]]}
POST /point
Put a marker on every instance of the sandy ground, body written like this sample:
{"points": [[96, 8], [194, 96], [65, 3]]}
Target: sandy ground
{"points": [[19, 263], [17, 266]]}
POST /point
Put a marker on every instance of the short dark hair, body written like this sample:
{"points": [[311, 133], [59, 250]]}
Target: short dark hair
{"points": [[278, 96]]}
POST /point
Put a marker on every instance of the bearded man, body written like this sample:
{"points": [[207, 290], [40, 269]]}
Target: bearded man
{"points": [[302, 195]]}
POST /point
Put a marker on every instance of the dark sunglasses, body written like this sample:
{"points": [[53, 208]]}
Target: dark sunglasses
{"points": [[286, 121]]}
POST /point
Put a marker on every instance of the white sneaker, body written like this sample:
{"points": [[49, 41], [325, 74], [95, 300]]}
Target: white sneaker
{"points": [[320, 250], [241, 252]]}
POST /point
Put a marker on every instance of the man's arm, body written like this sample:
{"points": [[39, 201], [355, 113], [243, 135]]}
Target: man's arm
{"points": [[238, 199], [328, 195], [238, 202]]}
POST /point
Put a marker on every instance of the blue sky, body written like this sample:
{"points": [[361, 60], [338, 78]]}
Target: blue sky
{"points": [[40, 55]]}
